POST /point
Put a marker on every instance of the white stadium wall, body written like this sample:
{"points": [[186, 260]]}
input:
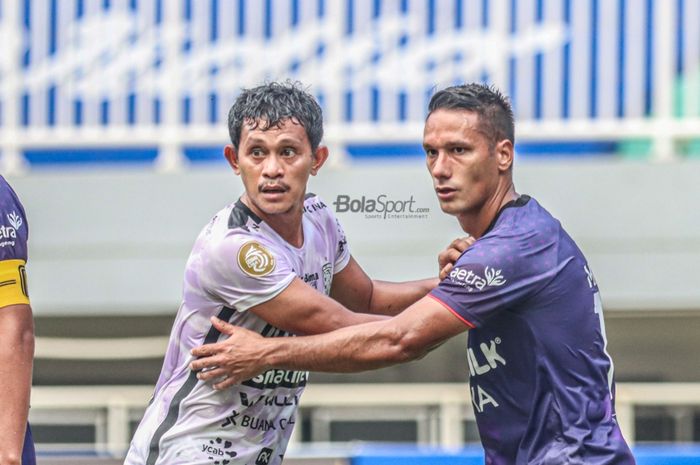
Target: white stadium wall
{"points": [[616, 79]]}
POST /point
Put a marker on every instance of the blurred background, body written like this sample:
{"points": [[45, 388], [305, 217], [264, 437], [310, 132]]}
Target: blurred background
{"points": [[112, 123]]}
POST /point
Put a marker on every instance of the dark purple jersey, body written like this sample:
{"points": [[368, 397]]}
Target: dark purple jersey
{"points": [[540, 377], [13, 225]]}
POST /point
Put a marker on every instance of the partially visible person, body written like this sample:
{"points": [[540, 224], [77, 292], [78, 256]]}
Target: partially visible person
{"points": [[540, 377], [16, 333]]}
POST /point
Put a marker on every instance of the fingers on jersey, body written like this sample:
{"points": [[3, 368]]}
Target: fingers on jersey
{"points": [[445, 271], [453, 251]]}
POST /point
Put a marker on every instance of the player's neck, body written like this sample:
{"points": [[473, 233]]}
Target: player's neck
{"points": [[287, 224], [476, 223]]}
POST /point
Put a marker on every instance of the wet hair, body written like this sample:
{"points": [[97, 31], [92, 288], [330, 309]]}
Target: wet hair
{"points": [[493, 108], [271, 105]]}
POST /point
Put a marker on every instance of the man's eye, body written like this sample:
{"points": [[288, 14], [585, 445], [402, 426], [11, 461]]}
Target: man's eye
{"points": [[430, 152], [288, 152], [459, 150], [257, 153]]}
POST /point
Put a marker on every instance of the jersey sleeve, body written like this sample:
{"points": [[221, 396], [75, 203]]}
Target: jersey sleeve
{"points": [[342, 251], [13, 248], [322, 215], [244, 271], [490, 277]]}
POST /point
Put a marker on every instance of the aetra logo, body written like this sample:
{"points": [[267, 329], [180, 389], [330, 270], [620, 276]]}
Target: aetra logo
{"points": [[469, 279], [10, 232], [380, 207]]}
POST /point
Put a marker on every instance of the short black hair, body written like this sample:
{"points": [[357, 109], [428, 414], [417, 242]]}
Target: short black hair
{"points": [[493, 108], [271, 105]]}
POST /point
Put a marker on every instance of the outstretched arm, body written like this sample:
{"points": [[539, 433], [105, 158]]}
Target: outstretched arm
{"points": [[301, 309], [355, 290], [298, 309], [407, 336], [16, 355]]}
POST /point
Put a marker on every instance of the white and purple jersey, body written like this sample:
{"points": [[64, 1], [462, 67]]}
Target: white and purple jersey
{"points": [[237, 262], [541, 380]]}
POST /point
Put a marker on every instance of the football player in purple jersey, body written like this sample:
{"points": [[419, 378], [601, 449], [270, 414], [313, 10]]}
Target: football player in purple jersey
{"points": [[16, 333], [540, 377]]}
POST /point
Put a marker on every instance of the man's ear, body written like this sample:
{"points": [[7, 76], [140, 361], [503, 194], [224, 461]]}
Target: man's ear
{"points": [[319, 158], [505, 153], [232, 158]]}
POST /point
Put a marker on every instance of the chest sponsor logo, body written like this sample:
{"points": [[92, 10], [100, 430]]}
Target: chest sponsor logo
{"points": [[255, 260], [474, 281], [239, 419], [488, 353], [277, 400], [8, 234], [272, 379], [482, 361]]}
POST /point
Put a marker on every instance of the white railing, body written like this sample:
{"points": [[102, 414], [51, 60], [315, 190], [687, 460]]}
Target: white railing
{"points": [[166, 72], [439, 408]]}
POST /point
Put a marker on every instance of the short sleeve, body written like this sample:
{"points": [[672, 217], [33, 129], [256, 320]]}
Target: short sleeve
{"points": [[13, 248], [491, 276], [243, 271], [14, 230], [342, 252], [330, 228]]}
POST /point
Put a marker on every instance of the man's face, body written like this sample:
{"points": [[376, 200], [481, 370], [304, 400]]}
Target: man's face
{"points": [[274, 165], [464, 168]]}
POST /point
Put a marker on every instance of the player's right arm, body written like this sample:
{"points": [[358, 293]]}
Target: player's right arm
{"points": [[252, 275], [407, 336], [354, 289], [302, 310], [481, 285]]}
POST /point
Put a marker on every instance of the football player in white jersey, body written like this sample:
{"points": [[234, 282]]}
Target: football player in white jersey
{"points": [[277, 262]]}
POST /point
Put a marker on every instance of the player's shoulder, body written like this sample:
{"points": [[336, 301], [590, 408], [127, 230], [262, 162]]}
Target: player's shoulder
{"points": [[319, 213], [8, 198], [521, 220], [315, 207], [237, 229], [241, 251], [522, 231], [12, 214]]}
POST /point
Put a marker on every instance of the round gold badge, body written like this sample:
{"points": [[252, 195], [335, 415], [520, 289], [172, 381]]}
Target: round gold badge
{"points": [[255, 260]]}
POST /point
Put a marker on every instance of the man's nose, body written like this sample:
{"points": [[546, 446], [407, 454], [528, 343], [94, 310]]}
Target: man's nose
{"points": [[272, 168], [440, 168]]}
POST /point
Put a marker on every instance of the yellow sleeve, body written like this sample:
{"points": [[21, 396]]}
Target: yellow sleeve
{"points": [[13, 283]]}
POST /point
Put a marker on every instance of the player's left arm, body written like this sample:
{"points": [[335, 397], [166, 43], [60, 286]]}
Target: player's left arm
{"points": [[357, 291], [408, 336], [16, 356]]}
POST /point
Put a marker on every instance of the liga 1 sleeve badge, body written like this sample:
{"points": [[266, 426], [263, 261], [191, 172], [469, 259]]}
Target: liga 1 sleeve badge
{"points": [[255, 260]]}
